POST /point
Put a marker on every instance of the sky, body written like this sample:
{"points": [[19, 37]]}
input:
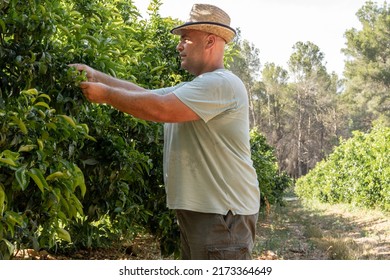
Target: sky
{"points": [[274, 26]]}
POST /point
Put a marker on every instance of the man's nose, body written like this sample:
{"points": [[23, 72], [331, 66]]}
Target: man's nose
{"points": [[179, 47]]}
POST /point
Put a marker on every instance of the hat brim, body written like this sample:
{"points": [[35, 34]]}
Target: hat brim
{"points": [[225, 32]]}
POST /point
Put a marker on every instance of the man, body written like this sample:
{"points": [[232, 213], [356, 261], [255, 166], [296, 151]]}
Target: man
{"points": [[208, 172]]}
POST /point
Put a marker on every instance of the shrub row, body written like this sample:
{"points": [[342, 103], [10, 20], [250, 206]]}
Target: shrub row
{"points": [[357, 172]]}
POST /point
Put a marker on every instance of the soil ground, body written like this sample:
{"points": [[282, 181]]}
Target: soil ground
{"points": [[316, 231], [295, 231]]}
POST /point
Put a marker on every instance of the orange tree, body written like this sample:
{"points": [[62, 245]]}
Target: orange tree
{"points": [[73, 172]]}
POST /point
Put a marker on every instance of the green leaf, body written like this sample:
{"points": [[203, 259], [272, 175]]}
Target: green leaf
{"points": [[21, 177], [90, 161], [27, 148], [55, 175], [64, 29], [10, 247], [8, 161], [155, 69], [69, 120], [91, 39], [63, 234], [12, 218], [42, 104], [76, 204], [20, 123], [37, 176], [2, 25], [42, 68], [45, 96], [89, 137], [10, 154], [2, 200], [31, 91], [80, 182], [40, 144]]}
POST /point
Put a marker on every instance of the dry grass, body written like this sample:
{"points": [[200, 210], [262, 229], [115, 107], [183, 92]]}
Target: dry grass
{"points": [[359, 233], [322, 231]]}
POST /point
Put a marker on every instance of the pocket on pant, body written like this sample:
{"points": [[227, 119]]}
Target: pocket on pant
{"points": [[236, 252]]}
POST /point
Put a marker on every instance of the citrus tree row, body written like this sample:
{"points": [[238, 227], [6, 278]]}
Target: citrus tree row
{"points": [[357, 172]]}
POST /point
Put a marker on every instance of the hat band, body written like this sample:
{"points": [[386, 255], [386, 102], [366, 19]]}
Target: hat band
{"points": [[205, 22]]}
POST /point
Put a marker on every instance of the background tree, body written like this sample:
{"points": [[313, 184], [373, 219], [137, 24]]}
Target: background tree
{"points": [[367, 69], [312, 101], [246, 65], [274, 100]]}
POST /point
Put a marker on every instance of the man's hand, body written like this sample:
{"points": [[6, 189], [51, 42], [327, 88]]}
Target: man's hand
{"points": [[95, 92], [91, 73]]}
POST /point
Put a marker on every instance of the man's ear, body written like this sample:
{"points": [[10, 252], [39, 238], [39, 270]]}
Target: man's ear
{"points": [[210, 40]]}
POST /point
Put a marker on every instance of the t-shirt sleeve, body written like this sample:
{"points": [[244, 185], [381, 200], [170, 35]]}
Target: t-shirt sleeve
{"points": [[208, 95], [166, 90]]}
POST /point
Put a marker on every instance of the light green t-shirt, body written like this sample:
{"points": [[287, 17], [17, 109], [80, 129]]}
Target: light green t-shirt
{"points": [[207, 163]]}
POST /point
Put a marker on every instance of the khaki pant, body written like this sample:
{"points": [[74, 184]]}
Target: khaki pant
{"points": [[216, 237]]}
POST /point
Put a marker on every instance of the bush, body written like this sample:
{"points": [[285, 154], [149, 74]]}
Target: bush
{"points": [[40, 185], [123, 192], [272, 182], [357, 172]]}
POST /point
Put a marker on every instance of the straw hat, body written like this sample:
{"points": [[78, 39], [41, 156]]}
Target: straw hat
{"points": [[208, 18]]}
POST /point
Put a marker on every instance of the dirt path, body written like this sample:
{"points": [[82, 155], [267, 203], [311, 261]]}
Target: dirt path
{"points": [[321, 231]]}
